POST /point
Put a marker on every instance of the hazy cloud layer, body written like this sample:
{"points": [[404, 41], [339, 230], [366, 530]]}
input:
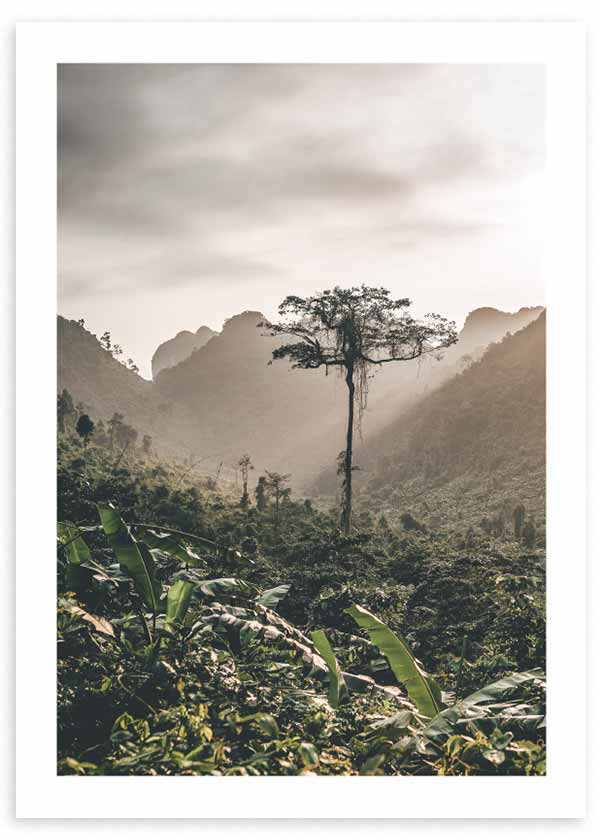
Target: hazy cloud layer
{"points": [[190, 192]]}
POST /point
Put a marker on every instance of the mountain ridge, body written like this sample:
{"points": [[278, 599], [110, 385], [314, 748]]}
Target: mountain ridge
{"points": [[228, 397], [175, 350]]}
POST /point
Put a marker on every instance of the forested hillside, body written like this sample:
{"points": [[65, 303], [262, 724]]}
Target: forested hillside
{"points": [[104, 386], [477, 442], [225, 398], [242, 403]]}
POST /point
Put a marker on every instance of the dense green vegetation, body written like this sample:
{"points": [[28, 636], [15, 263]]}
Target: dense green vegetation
{"points": [[207, 630]]}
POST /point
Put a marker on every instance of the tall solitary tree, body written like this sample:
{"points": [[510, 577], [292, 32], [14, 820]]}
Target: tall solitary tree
{"points": [[354, 331]]}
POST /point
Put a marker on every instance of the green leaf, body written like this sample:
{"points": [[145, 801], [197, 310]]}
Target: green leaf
{"points": [[222, 586], [478, 703], [271, 597], [422, 689], [338, 692], [265, 722], [74, 545], [268, 724], [236, 619], [495, 690], [309, 755], [134, 558], [195, 539], [178, 601], [169, 545]]}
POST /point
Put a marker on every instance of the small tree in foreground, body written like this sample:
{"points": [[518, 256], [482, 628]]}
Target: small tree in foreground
{"points": [[529, 534], [245, 465], [261, 494], [65, 409], [354, 330], [519, 520], [275, 485], [85, 428]]}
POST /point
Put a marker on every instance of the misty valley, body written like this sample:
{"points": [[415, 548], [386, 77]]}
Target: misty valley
{"points": [[308, 546]]}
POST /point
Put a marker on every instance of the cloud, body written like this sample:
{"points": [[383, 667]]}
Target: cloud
{"points": [[187, 176]]}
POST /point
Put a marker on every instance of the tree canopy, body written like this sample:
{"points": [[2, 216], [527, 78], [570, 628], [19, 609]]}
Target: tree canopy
{"points": [[355, 330]]}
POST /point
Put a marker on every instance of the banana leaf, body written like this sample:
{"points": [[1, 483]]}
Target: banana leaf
{"points": [[492, 692], [422, 689], [178, 601], [169, 545], [134, 558], [271, 597], [484, 703], [338, 692], [194, 539], [74, 545], [245, 624], [217, 587]]}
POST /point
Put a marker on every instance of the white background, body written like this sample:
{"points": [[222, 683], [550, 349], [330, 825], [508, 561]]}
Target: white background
{"points": [[183, 11]]}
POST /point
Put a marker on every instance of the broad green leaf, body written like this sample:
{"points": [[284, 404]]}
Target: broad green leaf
{"points": [[169, 545], [221, 586], [75, 546], [338, 691], [476, 704], [271, 597], [178, 601], [264, 721], [492, 692], [391, 727], [309, 755], [268, 724], [195, 539], [235, 618], [134, 558], [421, 689]]}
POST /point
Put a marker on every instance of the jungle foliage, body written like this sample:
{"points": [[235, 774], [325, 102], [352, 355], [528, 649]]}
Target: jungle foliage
{"points": [[199, 634]]}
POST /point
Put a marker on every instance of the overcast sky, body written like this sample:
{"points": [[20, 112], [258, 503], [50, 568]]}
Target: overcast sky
{"points": [[189, 193]]}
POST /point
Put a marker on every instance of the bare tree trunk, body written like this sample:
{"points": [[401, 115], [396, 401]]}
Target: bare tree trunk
{"points": [[346, 519]]}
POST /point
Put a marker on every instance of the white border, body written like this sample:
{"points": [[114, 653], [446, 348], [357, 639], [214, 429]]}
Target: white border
{"points": [[561, 47]]}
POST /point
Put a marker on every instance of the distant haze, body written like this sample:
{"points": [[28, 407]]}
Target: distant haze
{"points": [[189, 193]]}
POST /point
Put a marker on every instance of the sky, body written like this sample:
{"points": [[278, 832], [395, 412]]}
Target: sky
{"points": [[190, 193]]}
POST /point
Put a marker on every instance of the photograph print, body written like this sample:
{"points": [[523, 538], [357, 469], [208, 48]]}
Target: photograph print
{"points": [[301, 420]]}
